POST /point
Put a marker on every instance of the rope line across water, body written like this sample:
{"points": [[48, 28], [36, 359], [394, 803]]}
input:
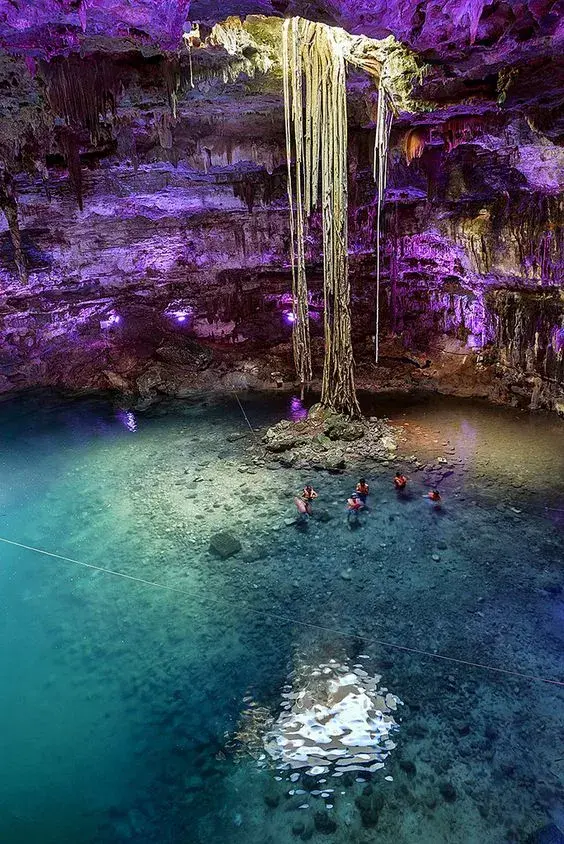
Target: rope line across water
{"points": [[290, 620], [251, 429]]}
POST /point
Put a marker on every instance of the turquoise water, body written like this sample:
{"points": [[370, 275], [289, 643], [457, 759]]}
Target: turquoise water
{"points": [[119, 700]]}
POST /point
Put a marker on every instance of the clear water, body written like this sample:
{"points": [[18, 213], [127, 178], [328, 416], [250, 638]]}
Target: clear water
{"points": [[118, 699]]}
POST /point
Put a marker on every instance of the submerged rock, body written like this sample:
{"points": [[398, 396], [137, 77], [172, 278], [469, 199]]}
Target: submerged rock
{"points": [[324, 823], [224, 545], [369, 805], [272, 800], [408, 767], [448, 792]]}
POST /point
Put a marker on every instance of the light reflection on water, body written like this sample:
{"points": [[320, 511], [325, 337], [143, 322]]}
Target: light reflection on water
{"points": [[127, 419]]}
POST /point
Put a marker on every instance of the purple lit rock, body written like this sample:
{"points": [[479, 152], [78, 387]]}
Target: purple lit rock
{"points": [[183, 232]]}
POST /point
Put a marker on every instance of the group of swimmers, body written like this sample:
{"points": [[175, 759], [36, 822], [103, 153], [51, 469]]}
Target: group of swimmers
{"points": [[357, 501]]}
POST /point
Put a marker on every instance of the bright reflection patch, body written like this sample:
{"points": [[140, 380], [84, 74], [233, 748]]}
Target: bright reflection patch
{"points": [[334, 719]]}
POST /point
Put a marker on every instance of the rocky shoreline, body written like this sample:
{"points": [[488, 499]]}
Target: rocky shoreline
{"points": [[328, 441]]}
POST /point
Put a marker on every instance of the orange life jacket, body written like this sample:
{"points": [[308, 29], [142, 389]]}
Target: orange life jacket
{"points": [[400, 481], [434, 496], [362, 488]]}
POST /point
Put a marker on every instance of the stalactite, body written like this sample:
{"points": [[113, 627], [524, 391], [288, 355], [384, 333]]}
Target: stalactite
{"points": [[83, 91], [164, 123], [414, 143], [9, 205], [535, 225], [459, 130], [70, 146], [245, 190]]}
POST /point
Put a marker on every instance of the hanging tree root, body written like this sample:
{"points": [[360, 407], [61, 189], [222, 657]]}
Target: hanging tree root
{"points": [[314, 58]]}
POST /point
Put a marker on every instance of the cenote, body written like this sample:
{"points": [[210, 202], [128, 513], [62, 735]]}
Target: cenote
{"points": [[281, 422], [121, 701]]}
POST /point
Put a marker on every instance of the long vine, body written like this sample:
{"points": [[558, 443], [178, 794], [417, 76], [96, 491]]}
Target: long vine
{"points": [[314, 59]]}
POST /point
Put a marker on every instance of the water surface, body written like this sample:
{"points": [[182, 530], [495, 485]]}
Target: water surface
{"points": [[119, 700]]}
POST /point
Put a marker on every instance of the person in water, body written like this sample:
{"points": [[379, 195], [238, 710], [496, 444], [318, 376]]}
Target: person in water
{"points": [[354, 506], [308, 495], [400, 481], [362, 490], [433, 495], [302, 508]]}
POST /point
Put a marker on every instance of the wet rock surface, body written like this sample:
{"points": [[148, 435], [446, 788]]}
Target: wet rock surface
{"points": [[225, 545], [327, 441]]}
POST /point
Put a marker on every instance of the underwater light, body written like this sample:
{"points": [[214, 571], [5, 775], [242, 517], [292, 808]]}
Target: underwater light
{"points": [[289, 316]]}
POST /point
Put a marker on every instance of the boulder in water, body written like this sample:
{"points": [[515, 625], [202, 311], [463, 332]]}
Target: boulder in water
{"points": [[224, 545], [284, 436], [448, 792], [338, 428]]}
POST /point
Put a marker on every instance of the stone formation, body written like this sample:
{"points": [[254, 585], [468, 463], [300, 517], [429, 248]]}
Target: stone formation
{"points": [[145, 231]]}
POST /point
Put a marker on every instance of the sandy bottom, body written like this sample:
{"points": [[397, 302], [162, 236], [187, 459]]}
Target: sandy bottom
{"points": [[119, 700]]}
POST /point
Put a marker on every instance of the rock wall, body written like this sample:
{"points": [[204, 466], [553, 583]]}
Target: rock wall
{"points": [[152, 215]]}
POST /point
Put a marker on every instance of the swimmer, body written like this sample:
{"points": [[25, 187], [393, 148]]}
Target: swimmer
{"points": [[308, 495], [362, 490], [433, 495], [400, 481], [303, 511], [354, 506]]}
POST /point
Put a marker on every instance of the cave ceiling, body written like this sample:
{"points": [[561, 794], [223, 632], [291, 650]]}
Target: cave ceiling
{"points": [[142, 168], [451, 31]]}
